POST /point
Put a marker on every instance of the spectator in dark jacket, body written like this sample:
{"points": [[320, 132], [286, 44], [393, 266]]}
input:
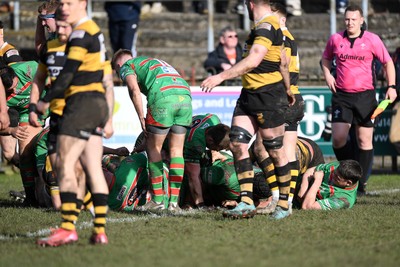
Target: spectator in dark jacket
{"points": [[123, 21], [226, 54]]}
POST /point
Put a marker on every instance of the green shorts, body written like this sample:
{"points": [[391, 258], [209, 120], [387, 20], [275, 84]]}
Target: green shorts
{"points": [[170, 110], [41, 148]]}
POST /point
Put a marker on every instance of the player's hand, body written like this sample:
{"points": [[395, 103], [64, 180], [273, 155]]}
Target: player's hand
{"points": [[20, 132], [4, 120], [41, 107], [143, 125], [391, 94], [291, 98], [331, 82], [122, 151], [215, 155], [33, 119], [208, 84], [108, 129]]}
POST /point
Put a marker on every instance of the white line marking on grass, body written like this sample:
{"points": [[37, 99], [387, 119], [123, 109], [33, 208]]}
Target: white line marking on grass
{"points": [[81, 225], [88, 224], [383, 191]]}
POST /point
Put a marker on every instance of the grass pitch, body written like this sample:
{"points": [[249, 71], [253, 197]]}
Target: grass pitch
{"points": [[367, 235]]}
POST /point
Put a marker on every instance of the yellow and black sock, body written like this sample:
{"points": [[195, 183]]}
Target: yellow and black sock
{"points": [[284, 177], [88, 202], [269, 171], [294, 167], [245, 174], [100, 211], [68, 210]]}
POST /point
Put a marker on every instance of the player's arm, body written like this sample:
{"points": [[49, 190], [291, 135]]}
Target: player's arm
{"points": [[284, 70], [310, 202], [36, 90], [305, 182], [18, 132], [390, 71], [120, 151], [326, 70], [216, 155], [108, 85], [256, 55], [40, 36], [63, 80], [136, 96], [4, 118], [192, 171]]}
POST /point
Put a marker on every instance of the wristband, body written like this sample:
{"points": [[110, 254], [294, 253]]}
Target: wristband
{"points": [[392, 86], [32, 108]]}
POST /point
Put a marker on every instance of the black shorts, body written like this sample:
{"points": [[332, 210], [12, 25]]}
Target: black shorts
{"points": [[84, 114], [267, 105], [354, 108], [294, 114], [55, 121]]}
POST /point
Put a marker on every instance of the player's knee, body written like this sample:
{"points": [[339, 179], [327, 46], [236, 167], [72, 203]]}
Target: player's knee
{"points": [[239, 135], [274, 143]]}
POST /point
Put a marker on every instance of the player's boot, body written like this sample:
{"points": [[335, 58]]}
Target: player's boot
{"points": [[270, 208], [242, 210], [174, 208], [151, 205], [18, 196], [58, 237], [99, 239], [280, 213]]}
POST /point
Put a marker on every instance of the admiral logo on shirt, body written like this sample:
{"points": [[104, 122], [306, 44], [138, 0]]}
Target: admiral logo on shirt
{"points": [[345, 57]]}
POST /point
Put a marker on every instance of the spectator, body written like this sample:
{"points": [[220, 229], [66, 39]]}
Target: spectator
{"points": [[123, 22], [152, 7], [353, 91], [293, 7], [200, 7], [6, 6], [227, 53], [341, 6]]}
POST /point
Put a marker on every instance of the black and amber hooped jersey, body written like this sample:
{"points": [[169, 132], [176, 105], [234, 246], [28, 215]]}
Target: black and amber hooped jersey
{"points": [[51, 61], [294, 65], [86, 45], [9, 54], [266, 32]]}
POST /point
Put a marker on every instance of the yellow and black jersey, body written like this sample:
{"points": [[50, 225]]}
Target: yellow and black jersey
{"points": [[308, 153], [294, 66], [267, 33], [9, 54], [51, 61], [86, 45]]}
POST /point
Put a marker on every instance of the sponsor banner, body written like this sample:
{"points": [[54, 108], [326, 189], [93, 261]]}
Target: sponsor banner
{"points": [[222, 100]]}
